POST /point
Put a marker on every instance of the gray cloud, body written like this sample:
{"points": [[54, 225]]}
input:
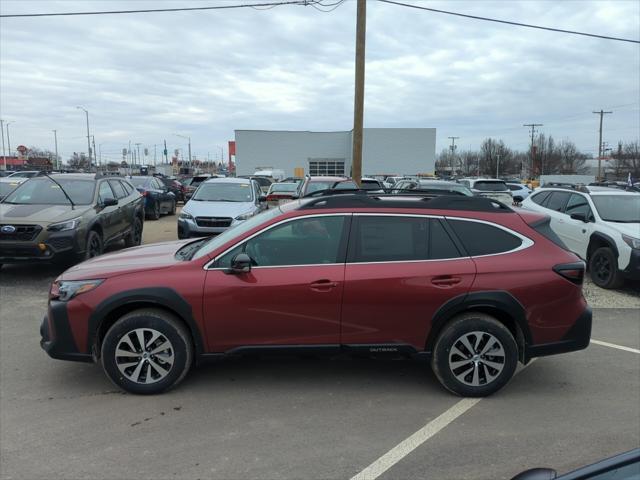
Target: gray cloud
{"points": [[145, 77]]}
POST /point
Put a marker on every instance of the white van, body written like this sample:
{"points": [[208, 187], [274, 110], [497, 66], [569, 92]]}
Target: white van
{"points": [[276, 174]]}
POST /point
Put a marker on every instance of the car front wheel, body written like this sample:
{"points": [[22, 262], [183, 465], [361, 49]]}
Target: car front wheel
{"points": [[147, 352], [474, 355]]}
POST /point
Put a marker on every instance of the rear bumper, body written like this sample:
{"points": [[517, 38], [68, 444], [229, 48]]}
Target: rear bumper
{"points": [[632, 272], [577, 338], [56, 337]]}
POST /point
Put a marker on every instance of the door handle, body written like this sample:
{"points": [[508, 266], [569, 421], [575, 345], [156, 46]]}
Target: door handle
{"points": [[445, 281], [323, 285]]}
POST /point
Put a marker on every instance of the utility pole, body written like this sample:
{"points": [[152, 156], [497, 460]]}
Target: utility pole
{"points": [[453, 147], [533, 133], [498, 165], [358, 108], [4, 157], [55, 139], [93, 140], [138, 154], [155, 154], [166, 157], [8, 139], [602, 113]]}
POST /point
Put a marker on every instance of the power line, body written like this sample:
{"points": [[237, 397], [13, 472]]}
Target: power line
{"points": [[508, 22], [159, 10], [333, 5]]}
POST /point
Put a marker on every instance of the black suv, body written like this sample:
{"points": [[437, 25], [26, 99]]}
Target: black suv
{"points": [[68, 218]]}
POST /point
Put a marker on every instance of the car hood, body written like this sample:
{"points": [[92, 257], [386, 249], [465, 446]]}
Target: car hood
{"points": [[42, 214], [218, 209], [148, 257], [631, 229]]}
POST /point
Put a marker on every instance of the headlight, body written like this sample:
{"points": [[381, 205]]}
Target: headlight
{"points": [[244, 216], [186, 216], [632, 242], [63, 226], [66, 290]]}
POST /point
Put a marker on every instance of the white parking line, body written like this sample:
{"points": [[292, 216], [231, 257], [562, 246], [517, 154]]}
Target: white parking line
{"points": [[408, 445], [613, 345]]}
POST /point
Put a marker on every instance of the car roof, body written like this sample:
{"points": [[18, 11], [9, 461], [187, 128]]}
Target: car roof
{"points": [[228, 180], [71, 176], [597, 191]]}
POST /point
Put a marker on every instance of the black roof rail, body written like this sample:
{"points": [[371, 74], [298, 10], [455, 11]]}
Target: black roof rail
{"points": [[431, 202]]}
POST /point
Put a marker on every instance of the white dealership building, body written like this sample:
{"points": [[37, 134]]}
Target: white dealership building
{"points": [[386, 151]]}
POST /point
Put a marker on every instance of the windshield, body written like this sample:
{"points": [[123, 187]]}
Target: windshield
{"points": [[283, 187], [490, 186], [43, 191], [317, 186], [236, 231], [140, 182], [23, 174], [7, 187], [223, 192], [618, 208]]}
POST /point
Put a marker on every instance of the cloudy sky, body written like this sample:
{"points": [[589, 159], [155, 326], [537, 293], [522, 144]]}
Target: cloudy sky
{"points": [[146, 77]]}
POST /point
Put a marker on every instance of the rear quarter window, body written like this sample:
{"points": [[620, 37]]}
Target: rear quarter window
{"points": [[483, 239], [557, 201]]}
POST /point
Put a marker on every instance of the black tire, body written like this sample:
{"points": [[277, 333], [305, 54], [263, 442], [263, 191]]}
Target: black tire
{"points": [[181, 236], [175, 360], [155, 213], [172, 210], [135, 235], [473, 369], [94, 246], [603, 269]]}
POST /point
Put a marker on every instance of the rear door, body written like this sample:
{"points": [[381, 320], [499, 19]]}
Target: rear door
{"points": [[400, 270]]}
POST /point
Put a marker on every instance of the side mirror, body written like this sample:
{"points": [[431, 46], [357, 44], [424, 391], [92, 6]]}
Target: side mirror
{"points": [[580, 216], [109, 202], [537, 474], [241, 263], [262, 198]]}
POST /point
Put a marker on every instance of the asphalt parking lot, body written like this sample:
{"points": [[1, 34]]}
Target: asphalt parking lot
{"points": [[297, 418]]}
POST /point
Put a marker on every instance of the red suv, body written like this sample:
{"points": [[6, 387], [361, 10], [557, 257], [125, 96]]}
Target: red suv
{"points": [[466, 283]]}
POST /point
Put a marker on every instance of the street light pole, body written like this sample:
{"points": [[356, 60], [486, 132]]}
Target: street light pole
{"points": [[55, 139], [8, 139], [189, 139], [88, 134], [4, 157]]}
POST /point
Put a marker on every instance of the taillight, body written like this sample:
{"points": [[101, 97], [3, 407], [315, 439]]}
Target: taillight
{"points": [[574, 272]]}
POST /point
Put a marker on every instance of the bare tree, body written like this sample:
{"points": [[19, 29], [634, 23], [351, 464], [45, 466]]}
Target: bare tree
{"points": [[79, 160]]}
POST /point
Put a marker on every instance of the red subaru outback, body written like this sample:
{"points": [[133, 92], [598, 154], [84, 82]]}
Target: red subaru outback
{"points": [[466, 283]]}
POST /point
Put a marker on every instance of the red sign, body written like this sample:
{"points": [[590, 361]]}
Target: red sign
{"points": [[232, 151], [22, 149]]}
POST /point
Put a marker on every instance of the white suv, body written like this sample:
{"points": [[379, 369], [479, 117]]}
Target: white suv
{"points": [[599, 224]]}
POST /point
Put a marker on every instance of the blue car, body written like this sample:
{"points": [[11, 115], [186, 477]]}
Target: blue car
{"points": [[158, 199]]}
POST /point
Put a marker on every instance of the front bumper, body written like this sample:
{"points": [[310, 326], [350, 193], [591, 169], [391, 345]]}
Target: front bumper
{"points": [[577, 338], [56, 336], [54, 247], [632, 272]]}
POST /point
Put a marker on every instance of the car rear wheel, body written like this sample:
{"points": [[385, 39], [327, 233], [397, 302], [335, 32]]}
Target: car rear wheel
{"points": [[94, 245], [475, 355], [135, 236], [603, 269], [147, 352]]}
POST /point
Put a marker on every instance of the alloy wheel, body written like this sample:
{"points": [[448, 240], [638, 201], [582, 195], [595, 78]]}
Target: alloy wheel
{"points": [[477, 358], [144, 355], [602, 268], [94, 246]]}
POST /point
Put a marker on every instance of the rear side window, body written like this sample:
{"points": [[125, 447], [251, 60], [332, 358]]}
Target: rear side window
{"points": [[557, 201], [389, 239], [440, 243], [127, 187], [482, 239], [539, 198]]}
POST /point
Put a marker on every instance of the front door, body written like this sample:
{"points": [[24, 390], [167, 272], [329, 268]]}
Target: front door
{"points": [[400, 270], [291, 296], [110, 215], [576, 233]]}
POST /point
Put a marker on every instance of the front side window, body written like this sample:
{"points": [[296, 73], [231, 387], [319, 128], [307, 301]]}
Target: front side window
{"points": [[118, 189], [578, 204], [483, 239], [104, 192], [305, 241]]}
